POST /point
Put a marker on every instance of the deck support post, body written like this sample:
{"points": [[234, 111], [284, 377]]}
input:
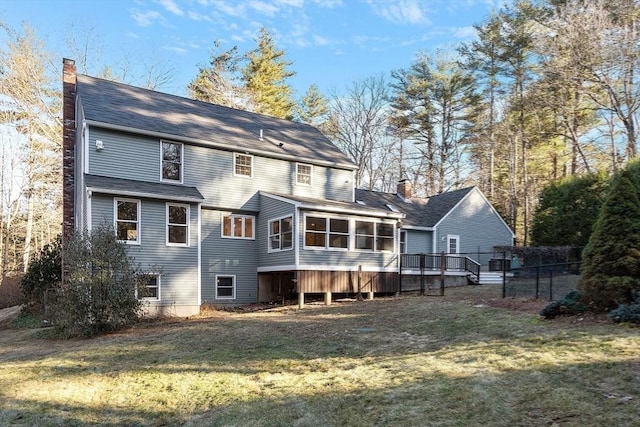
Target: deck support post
{"points": [[370, 295], [327, 298], [301, 300]]}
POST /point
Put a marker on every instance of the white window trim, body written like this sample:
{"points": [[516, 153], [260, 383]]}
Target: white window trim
{"points": [[310, 175], [406, 237], [457, 239], [392, 237], [159, 281], [233, 288], [188, 225], [138, 221], [234, 165], [232, 236], [163, 179], [327, 219], [293, 234]]}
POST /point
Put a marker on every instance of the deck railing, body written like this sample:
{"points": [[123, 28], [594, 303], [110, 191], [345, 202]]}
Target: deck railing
{"points": [[439, 262]]}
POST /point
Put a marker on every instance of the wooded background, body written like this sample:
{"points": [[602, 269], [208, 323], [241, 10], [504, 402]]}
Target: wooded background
{"points": [[548, 90]]}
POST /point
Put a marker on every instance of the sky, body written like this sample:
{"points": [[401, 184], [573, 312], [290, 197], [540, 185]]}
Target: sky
{"points": [[330, 43]]}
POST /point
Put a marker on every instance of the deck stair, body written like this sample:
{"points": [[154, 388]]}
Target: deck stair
{"points": [[489, 278]]}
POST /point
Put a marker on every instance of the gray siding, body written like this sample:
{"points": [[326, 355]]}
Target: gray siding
{"points": [[272, 209], [227, 257], [478, 225], [211, 171], [419, 241], [124, 156], [178, 265]]}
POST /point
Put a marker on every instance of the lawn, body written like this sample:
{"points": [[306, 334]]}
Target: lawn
{"points": [[461, 360]]}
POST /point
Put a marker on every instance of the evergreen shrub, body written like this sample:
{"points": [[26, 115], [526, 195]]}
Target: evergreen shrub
{"points": [[627, 313], [569, 305]]}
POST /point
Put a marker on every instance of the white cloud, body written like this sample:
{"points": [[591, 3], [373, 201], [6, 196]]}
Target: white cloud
{"points": [[328, 3], [178, 50], [320, 41], [464, 32], [171, 6], [145, 19], [292, 3], [195, 16], [263, 7], [400, 12], [234, 9]]}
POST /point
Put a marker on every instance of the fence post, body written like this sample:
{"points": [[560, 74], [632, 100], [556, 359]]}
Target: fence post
{"points": [[422, 260], [551, 285], [400, 278], [443, 267], [537, 282], [504, 274]]}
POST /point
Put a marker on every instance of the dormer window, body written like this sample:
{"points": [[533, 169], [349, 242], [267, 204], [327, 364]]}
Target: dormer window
{"points": [[172, 154]]}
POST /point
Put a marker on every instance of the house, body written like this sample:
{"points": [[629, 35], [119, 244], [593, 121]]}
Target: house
{"points": [[222, 206], [460, 222], [225, 206]]}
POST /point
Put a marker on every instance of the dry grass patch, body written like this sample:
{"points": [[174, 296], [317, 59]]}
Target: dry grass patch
{"points": [[397, 361]]}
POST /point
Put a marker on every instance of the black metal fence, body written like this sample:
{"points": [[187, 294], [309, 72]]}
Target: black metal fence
{"points": [[549, 281]]}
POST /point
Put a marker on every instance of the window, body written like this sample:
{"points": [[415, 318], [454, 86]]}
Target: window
{"points": [[323, 232], [281, 234], [238, 226], [225, 287], [243, 165], [403, 242], [364, 235], [384, 237], [453, 244], [171, 161], [177, 224], [374, 236], [338, 233], [127, 220], [149, 287], [315, 231], [303, 174]]}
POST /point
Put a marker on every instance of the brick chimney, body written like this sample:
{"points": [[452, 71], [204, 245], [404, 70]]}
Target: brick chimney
{"points": [[68, 145], [404, 189]]}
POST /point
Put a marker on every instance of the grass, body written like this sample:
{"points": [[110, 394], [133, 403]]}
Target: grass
{"points": [[442, 361]]}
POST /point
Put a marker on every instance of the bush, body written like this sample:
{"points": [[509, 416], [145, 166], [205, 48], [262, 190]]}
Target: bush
{"points": [[611, 260], [627, 313], [569, 305], [99, 293], [43, 273]]}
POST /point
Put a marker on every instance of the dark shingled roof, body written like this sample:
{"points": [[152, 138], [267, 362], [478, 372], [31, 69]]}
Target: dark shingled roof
{"points": [[154, 190], [334, 205], [131, 107], [420, 212]]}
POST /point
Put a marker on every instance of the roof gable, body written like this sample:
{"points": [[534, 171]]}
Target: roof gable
{"points": [[137, 109], [419, 212]]}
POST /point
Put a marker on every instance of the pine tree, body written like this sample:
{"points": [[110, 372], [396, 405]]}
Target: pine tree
{"points": [[567, 210], [611, 260], [216, 83], [313, 107], [265, 77]]}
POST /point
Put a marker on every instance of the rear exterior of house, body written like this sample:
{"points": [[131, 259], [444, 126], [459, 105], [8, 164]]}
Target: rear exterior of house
{"points": [[222, 206], [460, 222]]}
